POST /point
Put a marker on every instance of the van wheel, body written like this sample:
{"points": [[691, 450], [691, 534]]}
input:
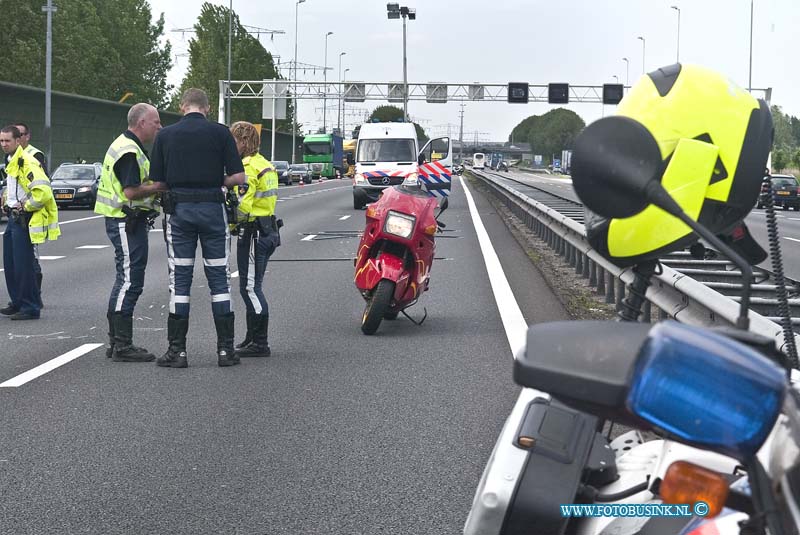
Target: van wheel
{"points": [[377, 306]]}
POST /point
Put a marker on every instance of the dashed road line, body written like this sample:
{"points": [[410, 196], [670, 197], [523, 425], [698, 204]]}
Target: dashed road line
{"points": [[49, 366], [793, 239], [344, 217], [51, 257], [93, 247], [309, 237]]}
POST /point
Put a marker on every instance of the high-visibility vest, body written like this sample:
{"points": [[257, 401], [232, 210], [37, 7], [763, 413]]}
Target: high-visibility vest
{"points": [[33, 151], [110, 194], [37, 196], [262, 188]]}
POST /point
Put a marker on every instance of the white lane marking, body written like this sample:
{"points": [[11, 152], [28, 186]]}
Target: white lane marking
{"points": [[506, 454], [344, 217], [513, 321], [157, 230], [235, 275], [93, 247], [793, 239], [51, 257], [49, 366], [81, 219], [309, 237]]}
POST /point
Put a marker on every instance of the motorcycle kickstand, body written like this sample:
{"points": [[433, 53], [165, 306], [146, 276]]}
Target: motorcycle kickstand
{"points": [[412, 320]]}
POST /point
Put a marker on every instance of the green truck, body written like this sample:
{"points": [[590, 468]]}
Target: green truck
{"points": [[324, 154]]}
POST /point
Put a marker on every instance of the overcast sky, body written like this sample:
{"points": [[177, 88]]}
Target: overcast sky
{"points": [[538, 41]]}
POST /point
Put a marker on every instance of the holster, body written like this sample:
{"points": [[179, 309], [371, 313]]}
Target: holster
{"points": [[168, 202], [134, 217], [266, 225]]}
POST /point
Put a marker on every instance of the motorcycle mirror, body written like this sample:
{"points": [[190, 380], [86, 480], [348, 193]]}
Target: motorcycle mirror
{"points": [[616, 172], [444, 204]]}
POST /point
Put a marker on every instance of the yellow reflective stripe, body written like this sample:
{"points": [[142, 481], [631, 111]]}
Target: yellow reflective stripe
{"points": [[37, 229], [36, 205], [39, 182], [267, 193], [53, 226], [112, 202]]}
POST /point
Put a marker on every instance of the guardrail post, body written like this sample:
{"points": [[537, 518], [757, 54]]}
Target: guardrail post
{"points": [[586, 270], [592, 272], [609, 287], [600, 278], [662, 315], [578, 262]]}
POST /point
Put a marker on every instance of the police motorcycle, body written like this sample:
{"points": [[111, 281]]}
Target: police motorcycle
{"points": [[682, 159]]}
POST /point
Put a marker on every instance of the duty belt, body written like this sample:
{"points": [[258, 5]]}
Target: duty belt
{"points": [[198, 196]]}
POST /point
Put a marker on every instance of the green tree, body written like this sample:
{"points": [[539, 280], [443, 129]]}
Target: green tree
{"points": [[101, 48], [550, 133], [208, 63], [795, 160], [780, 159], [783, 129], [390, 114], [146, 63]]}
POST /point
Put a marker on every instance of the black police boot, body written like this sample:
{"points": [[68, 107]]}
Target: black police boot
{"points": [[249, 336], [124, 350], [260, 345], [226, 356], [175, 357], [110, 348]]}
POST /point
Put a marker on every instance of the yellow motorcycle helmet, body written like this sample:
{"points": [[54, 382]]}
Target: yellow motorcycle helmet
{"points": [[706, 141]]}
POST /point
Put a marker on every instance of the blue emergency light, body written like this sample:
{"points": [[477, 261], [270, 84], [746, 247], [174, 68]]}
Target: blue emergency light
{"points": [[706, 390]]}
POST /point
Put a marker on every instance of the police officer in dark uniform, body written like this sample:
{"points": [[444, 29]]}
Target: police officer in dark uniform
{"points": [[196, 158]]}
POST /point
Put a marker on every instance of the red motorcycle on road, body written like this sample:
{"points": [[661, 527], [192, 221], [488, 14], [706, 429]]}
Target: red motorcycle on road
{"points": [[396, 252]]}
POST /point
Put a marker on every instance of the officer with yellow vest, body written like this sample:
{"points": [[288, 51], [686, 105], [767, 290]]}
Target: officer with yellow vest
{"points": [[258, 237], [25, 141], [126, 197], [33, 219]]}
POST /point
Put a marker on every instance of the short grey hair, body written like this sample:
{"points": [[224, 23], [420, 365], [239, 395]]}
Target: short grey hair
{"points": [[194, 97], [137, 112]]}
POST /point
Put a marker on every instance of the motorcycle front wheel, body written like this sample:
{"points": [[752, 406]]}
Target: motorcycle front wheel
{"points": [[377, 306]]}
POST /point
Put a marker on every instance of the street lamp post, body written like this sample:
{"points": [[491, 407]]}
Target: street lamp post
{"points": [[343, 128], [339, 108], [48, 80], [294, 95], [395, 12], [615, 77], [627, 70], [643, 50], [325, 87], [676, 8]]}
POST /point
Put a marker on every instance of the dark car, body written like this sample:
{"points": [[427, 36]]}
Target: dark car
{"points": [[785, 190], [301, 171], [75, 184], [282, 168]]}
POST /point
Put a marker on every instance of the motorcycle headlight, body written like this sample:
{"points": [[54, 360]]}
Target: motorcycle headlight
{"points": [[411, 180], [399, 224], [360, 178], [84, 189]]}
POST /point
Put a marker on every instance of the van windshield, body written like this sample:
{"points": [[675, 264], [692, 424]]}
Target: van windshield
{"points": [[386, 150]]}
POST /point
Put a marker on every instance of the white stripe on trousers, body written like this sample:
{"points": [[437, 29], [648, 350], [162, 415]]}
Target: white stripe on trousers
{"points": [[251, 276], [126, 267], [227, 255], [171, 264]]}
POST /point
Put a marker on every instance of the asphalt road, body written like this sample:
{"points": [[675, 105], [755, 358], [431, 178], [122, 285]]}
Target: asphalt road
{"points": [[788, 221], [336, 433]]}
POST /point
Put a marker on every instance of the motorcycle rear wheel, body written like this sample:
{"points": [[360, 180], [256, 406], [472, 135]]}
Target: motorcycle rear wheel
{"points": [[377, 306]]}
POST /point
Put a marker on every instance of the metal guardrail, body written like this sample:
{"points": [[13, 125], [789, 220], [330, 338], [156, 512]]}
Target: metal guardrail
{"points": [[674, 294]]}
